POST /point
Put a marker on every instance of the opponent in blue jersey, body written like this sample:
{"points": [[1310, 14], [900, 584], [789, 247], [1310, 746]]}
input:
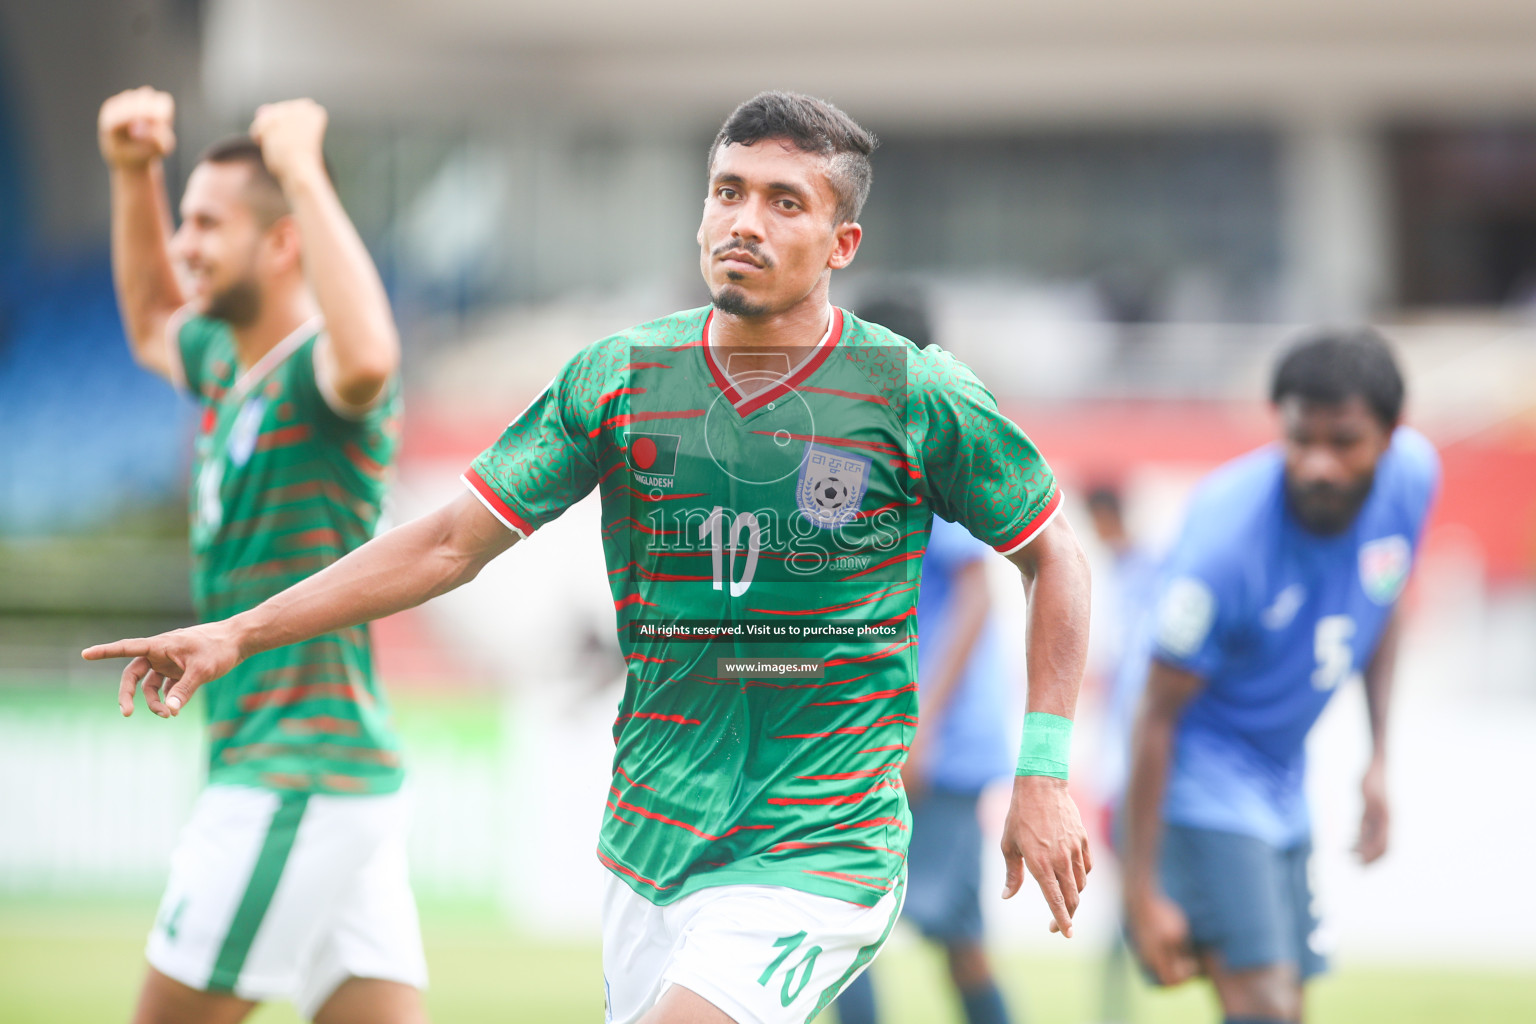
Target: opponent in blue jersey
{"points": [[1282, 588]]}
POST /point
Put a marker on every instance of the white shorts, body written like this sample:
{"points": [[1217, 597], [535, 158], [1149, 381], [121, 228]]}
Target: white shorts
{"points": [[763, 954], [277, 896]]}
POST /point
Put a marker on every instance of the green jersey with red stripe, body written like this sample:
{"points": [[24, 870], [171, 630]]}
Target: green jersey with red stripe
{"points": [[764, 519], [282, 486]]}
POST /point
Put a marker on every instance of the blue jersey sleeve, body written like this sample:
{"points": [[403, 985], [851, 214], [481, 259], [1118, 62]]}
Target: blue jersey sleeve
{"points": [[1418, 471], [952, 546], [1199, 602]]}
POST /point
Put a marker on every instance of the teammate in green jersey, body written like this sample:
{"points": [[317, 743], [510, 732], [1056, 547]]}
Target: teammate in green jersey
{"points": [[290, 881], [769, 467]]}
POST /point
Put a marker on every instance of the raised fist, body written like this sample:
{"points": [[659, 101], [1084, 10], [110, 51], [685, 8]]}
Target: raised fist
{"points": [[290, 135], [134, 127]]}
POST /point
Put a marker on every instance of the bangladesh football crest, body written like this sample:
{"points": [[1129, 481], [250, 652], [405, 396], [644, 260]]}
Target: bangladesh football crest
{"points": [[246, 430], [1384, 567], [832, 485]]}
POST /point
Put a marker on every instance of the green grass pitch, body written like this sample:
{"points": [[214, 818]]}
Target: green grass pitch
{"points": [[76, 964]]}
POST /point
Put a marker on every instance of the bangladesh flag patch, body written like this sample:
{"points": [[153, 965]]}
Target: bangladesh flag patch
{"points": [[652, 457]]}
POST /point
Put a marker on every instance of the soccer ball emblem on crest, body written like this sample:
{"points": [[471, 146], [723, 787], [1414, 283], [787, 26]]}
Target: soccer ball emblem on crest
{"points": [[829, 493]]}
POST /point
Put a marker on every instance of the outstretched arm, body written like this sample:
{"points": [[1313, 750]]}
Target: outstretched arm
{"points": [[361, 349], [1044, 831], [1375, 819], [400, 569], [1158, 926], [134, 130]]}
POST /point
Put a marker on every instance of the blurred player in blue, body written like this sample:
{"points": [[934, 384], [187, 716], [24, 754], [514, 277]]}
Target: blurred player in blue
{"points": [[1283, 587], [961, 746], [1124, 594], [1128, 590]]}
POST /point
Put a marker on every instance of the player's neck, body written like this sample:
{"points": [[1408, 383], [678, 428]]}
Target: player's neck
{"points": [[280, 316], [803, 325]]}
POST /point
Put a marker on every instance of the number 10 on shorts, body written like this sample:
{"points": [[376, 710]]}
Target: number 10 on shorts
{"points": [[792, 986]]}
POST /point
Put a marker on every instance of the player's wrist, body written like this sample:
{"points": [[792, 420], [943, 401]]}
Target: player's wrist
{"points": [[241, 633], [305, 176], [1032, 786], [130, 166], [1139, 894], [1045, 747]]}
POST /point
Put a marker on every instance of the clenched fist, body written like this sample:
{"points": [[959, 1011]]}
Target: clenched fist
{"points": [[290, 135], [134, 128]]}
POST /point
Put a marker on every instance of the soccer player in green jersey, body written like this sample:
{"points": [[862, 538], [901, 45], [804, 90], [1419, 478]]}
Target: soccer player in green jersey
{"points": [[769, 467], [290, 880]]}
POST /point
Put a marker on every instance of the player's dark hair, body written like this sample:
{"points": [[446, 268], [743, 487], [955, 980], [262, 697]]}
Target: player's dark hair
{"points": [[1330, 366], [813, 126], [1105, 496], [263, 192], [899, 314]]}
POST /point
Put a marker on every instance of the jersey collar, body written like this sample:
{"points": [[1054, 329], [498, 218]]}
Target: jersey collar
{"points": [[250, 379], [747, 404]]}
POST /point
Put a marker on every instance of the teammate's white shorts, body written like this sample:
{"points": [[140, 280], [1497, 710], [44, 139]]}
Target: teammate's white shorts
{"points": [[276, 896], [763, 954]]}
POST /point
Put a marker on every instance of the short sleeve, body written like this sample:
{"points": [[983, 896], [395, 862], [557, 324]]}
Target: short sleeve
{"points": [[546, 460], [980, 469], [1420, 470], [1195, 608], [361, 447]]}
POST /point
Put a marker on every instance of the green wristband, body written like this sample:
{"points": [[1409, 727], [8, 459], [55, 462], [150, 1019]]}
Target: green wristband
{"points": [[1046, 745]]}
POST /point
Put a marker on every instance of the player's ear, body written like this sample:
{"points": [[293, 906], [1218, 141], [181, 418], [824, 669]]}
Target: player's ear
{"points": [[284, 243], [1387, 433], [847, 237]]}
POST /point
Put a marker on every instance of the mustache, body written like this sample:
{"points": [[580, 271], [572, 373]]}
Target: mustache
{"points": [[747, 246], [1325, 507], [1323, 490]]}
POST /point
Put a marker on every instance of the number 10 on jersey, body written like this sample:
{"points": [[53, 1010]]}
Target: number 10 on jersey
{"points": [[713, 530]]}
